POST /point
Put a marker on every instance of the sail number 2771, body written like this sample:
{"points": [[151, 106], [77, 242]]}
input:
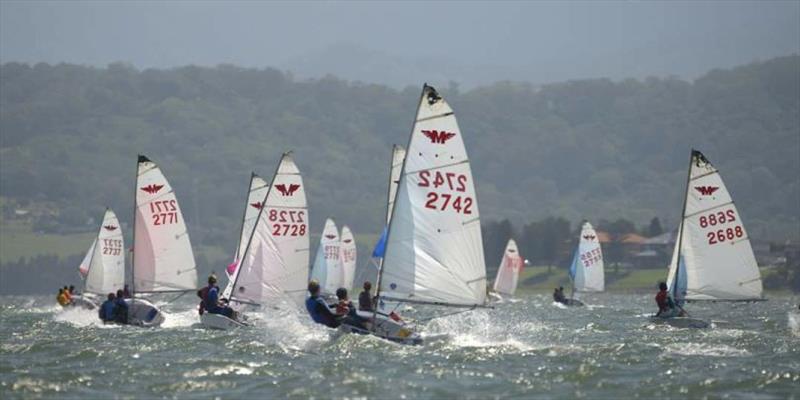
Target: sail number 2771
{"points": [[164, 212], [442, 201]]}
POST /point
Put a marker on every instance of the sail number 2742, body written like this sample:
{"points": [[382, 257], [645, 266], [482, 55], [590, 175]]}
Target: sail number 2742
{"points": [[447, 181]]}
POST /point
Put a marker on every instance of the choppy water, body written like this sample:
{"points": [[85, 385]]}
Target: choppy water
{"points": [[526, 349]]}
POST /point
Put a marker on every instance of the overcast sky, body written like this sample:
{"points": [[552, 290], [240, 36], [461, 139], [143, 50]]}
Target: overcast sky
{"points": [[405, 43]]}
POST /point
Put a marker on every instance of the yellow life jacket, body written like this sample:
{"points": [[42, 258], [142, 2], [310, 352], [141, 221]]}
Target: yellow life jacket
{"points": [[62, 299]]}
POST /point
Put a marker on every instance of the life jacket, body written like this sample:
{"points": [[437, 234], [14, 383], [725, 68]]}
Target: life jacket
{"points": [[342, 307], [62, 299], [662, 299], [320, 312], [107, 310], [202, 294]]}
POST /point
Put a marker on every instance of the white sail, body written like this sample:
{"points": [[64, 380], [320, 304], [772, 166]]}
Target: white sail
{"points": [[587, 264], [274, 264], [509, 270], [347, 257], [398, 156], [162, 253], [715, 250], [255, 198], [434, 250], [327, 269], [83, 268]]}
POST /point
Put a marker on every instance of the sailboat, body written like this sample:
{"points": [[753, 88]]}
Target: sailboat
{"points": [[370, 272], [713, 259], [274, 263], [505, 283], [103, 267], [257, 190], [327, 269], [433, 250], [347, 257], [586, 270], [163, 261]]}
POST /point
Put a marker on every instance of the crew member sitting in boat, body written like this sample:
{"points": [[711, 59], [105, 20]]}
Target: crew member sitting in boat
{"points": [[107, 309], [62, 298], [203, 293], [72, 291], [68, 294], [666, 307], [120, 309], [365, 298], [126, 293], [558, 295], [318, 309], [212, 301]]}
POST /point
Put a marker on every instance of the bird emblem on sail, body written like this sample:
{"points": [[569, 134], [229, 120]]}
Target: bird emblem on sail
{"points": [[257, 205], [330, 236], [348, 240], [589, 237], [512, 251], [152, 188], [706, 190], [110, 227], [287, 191], [439, 137]]}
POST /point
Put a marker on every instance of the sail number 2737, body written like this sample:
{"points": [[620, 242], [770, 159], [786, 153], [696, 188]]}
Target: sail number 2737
{"points": [[447, 181]]}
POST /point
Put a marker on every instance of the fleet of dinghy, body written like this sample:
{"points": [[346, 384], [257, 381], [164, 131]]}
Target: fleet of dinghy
{"points": [[163, 261], [103, 267], [274, 264], [505, 283], [712, 259], [433, 247], [586, 269]]}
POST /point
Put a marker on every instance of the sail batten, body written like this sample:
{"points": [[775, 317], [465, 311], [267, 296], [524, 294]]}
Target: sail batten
{"points": [[713, 258], [103, 267], [433, 252], [509, 270]]}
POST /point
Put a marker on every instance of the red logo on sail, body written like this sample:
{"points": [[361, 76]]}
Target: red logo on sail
{"points": [[152, 188], [589, 237], [110, 227], [706, 190], [287, 191], [438, 136], [330, 236], [348, 240], [257, 205]]}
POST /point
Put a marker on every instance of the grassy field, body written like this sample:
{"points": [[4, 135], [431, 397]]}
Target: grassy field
{"points": [[17, 240], [536, 279]]}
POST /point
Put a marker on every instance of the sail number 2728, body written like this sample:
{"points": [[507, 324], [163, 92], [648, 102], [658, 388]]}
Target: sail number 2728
{"points": [[287, 222], [447, 181]]}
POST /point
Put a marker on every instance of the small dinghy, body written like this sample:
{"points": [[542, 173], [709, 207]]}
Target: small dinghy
{"points": [[274, 262], [103, 267], [433, 252], [713, 259], [586, 270], [327, 269], [681, 322], [163, 261], [505, 283], [347, 257]]}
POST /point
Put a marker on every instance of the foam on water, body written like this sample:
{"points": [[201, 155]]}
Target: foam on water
{"points": [[180, 319], [77, 316], [701, 349], [794, 322]]}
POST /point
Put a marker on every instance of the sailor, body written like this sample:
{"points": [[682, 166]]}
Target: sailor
{"points": [[62, 298], [365, 298], [558, 295], [347, 311], [317, 307], [203, 293], [107, 309], [72, 291], [666, 306], [120, 309], [212, 303], [68, 295], [126, 293]]}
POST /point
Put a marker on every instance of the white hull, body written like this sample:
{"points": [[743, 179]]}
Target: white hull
{"points": [[218, 321], [143, 313], [385, 328], [83, 302], [681, 322]]}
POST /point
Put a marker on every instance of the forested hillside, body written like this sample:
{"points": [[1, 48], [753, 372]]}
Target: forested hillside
{"points": [[593, 149]]}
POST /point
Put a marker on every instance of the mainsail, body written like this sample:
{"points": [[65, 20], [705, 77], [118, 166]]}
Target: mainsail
{"points": [[347, 257], [586, 269], [509, 270], [162, 254], [257, 190], [327, 268], [103, 268], [274, 264], [716, 260], [434, 251]]}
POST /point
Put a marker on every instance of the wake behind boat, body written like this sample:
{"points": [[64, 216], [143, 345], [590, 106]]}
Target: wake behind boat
{"points": [[433, 247]]}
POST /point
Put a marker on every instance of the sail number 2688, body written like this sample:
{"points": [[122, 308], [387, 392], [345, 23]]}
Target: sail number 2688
{"points": [[441, 201]]}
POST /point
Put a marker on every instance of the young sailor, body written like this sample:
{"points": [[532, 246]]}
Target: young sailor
{"points": [[107, 309], [120, 309], [318, 309], [212, 303], [666, 307], [68, 295], [62, 298], [365, 298], [558, 295]]}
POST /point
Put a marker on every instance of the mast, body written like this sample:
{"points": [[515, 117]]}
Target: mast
{"points": [[140, 159], [680, 229], [388, 201], [258, 218], [394, 209]]}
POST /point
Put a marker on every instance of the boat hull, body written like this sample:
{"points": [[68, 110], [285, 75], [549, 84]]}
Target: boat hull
{"points": [[143, 313], [681, 322], [219, 322], [384, 327], [83, 302]]}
